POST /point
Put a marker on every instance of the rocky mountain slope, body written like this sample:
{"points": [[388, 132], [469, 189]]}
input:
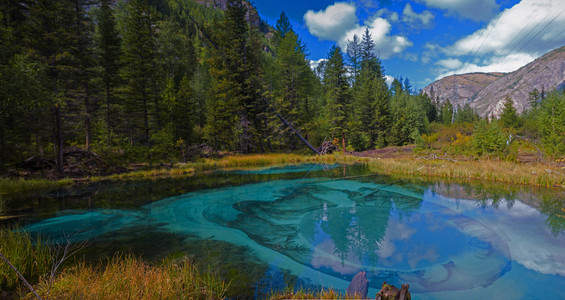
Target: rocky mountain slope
{"points": [[460, 89], [486, 92]]}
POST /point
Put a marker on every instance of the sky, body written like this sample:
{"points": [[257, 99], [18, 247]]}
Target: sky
{"points": [[425, 40]]}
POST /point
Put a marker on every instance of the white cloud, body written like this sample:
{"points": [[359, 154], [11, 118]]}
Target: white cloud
{"points": [[389, 79], [338, 23], [531, 26], [450, 63], [333, 22], [494, 64], [414, 19], [477, 10], [386, 45], [315, 63], [517, 36]]}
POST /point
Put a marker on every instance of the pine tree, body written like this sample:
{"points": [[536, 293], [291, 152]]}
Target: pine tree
{"points": [[282, 27], [52, 41], [107, 50], [187, 111], [354, 55], [339, 99], [292, 85], [446, 112], [552, 123], [235, 109], [138, 53], [509, 118]]}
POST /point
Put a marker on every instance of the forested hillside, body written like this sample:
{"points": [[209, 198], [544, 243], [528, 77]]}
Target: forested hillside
{"points": [[148, 81], [142, 81]]}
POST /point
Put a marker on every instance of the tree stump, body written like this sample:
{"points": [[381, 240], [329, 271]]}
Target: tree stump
{"points": [[390, 292]]}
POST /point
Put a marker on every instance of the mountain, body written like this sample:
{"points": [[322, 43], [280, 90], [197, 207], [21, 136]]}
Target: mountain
{"points": [[460, 89], [485, 92]]}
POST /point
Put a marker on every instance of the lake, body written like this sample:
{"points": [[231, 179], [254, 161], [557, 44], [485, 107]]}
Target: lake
{"points": [[317, 225]]}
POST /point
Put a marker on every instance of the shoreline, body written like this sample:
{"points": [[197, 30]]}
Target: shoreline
{"points": [[539, 174]]}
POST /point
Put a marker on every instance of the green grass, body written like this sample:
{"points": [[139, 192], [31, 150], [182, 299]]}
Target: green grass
{"points": [[14, 185], [131, 278], [29, 255]]}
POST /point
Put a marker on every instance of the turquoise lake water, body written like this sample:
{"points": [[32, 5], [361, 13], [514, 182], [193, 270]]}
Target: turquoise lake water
{"points": [[319, 225]]}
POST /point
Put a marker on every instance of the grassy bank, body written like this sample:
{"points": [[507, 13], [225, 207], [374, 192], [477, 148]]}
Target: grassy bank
{"points": [[132, 278], [535, 174], [30, 256], [14, 185]]}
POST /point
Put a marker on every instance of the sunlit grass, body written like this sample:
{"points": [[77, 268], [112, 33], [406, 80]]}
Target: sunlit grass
{"points": [[14, 185], [535, 174], [179, 171], [301, 293], [131, 278]]}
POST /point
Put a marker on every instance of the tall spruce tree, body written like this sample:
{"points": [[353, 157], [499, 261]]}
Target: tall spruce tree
{"points": [[107, 49], [509, 117], [52, 39], [234, 110], [138, 53], [338, 95], [354, 56], [293, 83]]}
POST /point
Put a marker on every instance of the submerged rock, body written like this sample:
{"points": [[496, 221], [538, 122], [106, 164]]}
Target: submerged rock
{"points": [[359, 286], [390, 292]]}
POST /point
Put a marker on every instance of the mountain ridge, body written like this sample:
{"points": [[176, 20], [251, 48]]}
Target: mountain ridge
{"points": [[487, 92]]}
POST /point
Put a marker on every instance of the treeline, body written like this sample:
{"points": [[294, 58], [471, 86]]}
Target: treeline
{"points": [[538, 131], [144, 80]]}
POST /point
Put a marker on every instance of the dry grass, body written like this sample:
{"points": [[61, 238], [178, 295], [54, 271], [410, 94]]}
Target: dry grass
{"points": [[290, 293], [253, 160], [181, 171], [131, 278], [535, 174]]}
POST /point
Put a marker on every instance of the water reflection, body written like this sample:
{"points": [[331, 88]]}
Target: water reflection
{"points": [[446, 240]]}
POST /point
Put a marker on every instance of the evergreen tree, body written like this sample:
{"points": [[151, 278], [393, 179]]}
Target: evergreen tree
{"points": [[187, 111], [371, 99], [293, 86], [487, 138], [107, 50], [509, 118], [235, 109], [354, 55], [138, 53], [282, 27], [396, 87], [446, 112], [52, 38], [552, 123], [339, 99], [466, 115], [534, 98]]}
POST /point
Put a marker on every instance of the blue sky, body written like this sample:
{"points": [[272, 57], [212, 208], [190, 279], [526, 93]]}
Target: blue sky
{"points": [[424, 40]]}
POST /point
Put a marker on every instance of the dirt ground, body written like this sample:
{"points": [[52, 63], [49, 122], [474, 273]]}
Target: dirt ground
{"points": [[389, 152]]}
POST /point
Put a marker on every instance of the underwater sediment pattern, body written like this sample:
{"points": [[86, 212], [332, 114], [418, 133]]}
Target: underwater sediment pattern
{"points": [[325, 230]]}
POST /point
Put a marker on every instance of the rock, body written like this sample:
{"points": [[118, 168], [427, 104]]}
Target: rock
{"points": [[359, 286], [390, 292], [486, 92]]}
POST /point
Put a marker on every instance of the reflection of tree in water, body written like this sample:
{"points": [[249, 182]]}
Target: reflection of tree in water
{"points": [[361, 229], [488, 194], [554, 207]]}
